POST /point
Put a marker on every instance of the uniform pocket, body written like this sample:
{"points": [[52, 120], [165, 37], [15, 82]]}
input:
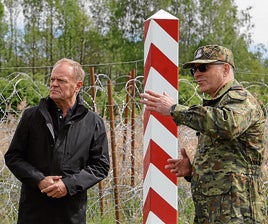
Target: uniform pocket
{"points": [[215, 184], [212, 199], [249, 195], [233, 196]]}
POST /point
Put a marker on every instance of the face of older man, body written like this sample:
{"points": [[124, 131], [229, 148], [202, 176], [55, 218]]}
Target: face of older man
{"points": [[63, 85], [210, 77]]}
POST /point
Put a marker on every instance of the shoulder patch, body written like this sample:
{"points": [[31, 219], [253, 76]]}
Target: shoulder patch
{"points": [[238, 94]]}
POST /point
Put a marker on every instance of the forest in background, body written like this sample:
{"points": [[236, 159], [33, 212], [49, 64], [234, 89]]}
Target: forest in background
{"points": [[108, 35], [36, 33]]}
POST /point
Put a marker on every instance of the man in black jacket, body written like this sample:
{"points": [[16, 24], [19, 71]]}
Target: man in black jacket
{"points": [[58, 151]]}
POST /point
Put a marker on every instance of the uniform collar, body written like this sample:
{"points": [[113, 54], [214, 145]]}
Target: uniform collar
{"points": [[222, 91]]}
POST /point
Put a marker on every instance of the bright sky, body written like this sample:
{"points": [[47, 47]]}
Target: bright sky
{"points": [[259, 14]]}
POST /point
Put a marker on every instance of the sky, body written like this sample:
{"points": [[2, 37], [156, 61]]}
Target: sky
{"points": [[259, 14]]}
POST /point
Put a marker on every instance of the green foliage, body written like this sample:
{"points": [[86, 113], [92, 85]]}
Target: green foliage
{"points": [[19, 91], [185, 203], [188, 91], [129, 211], [112, 31], [9, 194]]}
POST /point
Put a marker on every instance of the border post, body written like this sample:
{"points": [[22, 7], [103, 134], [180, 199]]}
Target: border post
{"points": [[160, 193]]}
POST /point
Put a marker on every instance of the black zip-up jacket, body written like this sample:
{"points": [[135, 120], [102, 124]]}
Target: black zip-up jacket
{"points": [[79, 154]]}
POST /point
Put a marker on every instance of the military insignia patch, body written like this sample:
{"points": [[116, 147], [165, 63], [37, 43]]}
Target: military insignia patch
{"points": [[199, 54]]}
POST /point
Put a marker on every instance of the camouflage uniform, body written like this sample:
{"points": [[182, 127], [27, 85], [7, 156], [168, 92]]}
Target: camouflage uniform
{"points": [[226, 180]]}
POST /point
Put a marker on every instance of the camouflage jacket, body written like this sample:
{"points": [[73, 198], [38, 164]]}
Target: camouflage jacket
{"points": [[230, 129]]}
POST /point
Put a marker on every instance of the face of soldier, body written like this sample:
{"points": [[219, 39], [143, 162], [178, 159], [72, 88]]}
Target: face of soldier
{"points": [[210, 77]]}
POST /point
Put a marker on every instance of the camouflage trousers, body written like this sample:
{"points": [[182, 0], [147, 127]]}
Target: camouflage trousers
{"points": [[238, 200]]}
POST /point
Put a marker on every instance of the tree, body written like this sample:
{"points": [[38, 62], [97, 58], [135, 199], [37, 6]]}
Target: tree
{"points": [[187, 12], [73, 27], [3, 28], [10, 34], [112, 31], [33, 45]]}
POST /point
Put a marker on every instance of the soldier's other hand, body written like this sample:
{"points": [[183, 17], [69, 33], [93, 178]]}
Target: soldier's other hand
{"points": [[181, 167]]}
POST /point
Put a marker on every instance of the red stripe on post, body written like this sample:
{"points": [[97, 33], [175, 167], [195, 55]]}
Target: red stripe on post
{"points": [[164, 211]]}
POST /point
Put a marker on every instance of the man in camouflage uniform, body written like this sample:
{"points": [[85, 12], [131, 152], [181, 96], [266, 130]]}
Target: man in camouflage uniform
{"points": [[225, 176]]}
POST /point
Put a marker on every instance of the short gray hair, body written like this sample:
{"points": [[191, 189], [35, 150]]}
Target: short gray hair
{"points": [[77, 68]]}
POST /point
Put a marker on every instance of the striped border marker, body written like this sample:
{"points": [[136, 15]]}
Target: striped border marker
{"points": [[160, 204]]}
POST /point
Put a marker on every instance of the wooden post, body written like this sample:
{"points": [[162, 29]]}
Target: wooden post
{"points": [[126, 118], [114, 153], [133, 107], [93, 95], [93, 88]]}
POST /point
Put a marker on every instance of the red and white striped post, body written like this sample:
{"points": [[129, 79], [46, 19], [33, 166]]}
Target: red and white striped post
{"points": [[160, 195]]}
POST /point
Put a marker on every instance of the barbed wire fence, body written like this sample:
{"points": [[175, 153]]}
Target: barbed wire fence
{"points": [[105, 205]]}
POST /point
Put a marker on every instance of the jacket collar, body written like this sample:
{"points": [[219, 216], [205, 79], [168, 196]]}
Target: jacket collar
{"points": [[77, 110]]}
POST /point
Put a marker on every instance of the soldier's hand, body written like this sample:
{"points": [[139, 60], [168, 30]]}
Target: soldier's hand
{"points": [[160, 103], [181, 167]]}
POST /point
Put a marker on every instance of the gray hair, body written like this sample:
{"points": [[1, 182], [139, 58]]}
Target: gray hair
{"points": [[79, 73]]}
